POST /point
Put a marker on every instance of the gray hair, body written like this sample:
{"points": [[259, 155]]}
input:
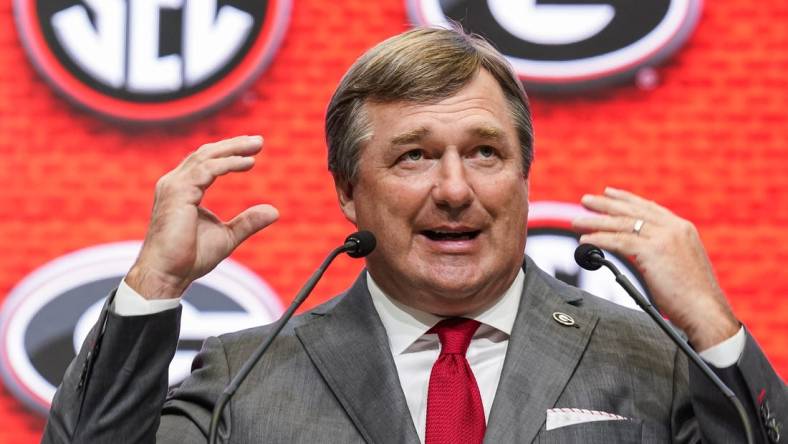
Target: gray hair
{"points": [[421, 65]]}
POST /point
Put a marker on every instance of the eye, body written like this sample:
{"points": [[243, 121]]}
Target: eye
{"points": [[413, 155], [486, 151]]}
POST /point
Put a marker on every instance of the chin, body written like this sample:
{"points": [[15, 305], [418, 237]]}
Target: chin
{"points": [[448, 302], [454, 286]]}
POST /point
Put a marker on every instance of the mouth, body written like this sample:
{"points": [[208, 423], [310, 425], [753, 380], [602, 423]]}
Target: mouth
{"points": [[439, 235]]}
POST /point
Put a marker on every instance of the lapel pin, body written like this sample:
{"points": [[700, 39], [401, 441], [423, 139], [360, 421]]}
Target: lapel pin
{"points": [[563, 319]]}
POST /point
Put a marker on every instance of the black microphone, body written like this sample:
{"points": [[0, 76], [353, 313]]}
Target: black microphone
{"points": [[591, 257], [358, 244]]}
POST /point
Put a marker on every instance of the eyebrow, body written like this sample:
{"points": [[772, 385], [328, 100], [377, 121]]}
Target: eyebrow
{"points": [[416, 135], [488, 133], [409, 137]]}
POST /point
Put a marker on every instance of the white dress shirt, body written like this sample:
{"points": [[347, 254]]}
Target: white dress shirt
{"points": [[415, 351]]}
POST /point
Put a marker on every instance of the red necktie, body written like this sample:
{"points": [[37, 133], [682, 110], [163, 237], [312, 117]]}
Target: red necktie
{"points": [[454, 405]]}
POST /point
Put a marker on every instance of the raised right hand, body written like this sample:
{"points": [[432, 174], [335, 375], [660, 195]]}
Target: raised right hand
{"points": [[184, 240]]}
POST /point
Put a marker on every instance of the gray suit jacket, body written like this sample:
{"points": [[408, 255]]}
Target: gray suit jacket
{"points": [[330, 378]]}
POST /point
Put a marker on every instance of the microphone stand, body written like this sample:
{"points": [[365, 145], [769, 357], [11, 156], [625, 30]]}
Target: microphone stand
{"points": [[352, 245], [597, 258]]}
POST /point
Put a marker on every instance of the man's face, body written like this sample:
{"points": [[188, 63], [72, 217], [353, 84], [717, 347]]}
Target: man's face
{"points": [[441, 186]]}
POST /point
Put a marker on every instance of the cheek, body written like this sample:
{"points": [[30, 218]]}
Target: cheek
{"points": [[389, 204], [506, 198]]}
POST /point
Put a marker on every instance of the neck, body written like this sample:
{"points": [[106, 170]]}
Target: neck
{"points": [[446, 302]]}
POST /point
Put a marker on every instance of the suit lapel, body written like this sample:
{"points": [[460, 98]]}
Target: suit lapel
{"points": [[350, 349], [540, 359]]}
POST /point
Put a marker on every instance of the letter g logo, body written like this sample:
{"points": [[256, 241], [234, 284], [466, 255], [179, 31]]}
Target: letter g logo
{"points": [[47, 316], [570, 44]]}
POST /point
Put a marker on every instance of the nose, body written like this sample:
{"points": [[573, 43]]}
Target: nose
{"points": [[451, 190]]}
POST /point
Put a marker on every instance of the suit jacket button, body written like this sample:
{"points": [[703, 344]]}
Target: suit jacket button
{"points": [[765, 413], [773, 430], [774, 434]]}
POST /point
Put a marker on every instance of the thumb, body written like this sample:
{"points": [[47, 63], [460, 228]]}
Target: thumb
{"points": [[252, 220]]}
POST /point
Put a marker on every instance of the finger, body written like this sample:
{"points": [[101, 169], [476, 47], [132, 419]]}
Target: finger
{"points": [[203, 174], [632, 208], [608, 206], [233, 164], [606, 223], [624, 195], [625, 244], [236, 146], [252, 220], [643, 204]]}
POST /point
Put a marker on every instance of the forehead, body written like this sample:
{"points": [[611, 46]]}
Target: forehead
{"points": [[480, 107]]}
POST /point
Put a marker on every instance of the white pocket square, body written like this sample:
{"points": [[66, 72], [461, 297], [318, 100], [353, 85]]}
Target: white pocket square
{"points": [[557, 418]]}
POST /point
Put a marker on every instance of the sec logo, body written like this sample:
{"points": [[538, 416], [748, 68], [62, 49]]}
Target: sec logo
{"points": [[565, 45], [551, 244], [150, 60], [48, 315]]}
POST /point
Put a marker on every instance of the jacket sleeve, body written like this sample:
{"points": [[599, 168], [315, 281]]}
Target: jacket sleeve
{"points": [[114, 389], [759, 389]]}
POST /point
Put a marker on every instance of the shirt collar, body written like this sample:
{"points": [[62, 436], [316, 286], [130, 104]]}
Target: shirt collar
{"points": [[404, 324]]}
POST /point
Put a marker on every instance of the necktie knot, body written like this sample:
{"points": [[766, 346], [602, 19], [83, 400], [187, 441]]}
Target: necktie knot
{"points": [[455, 334]]}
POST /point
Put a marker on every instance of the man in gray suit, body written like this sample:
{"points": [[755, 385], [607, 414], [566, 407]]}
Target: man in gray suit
{"points": [[430, 144]]}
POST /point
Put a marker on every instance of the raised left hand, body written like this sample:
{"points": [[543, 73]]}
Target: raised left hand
{"points": [[667, 250]]}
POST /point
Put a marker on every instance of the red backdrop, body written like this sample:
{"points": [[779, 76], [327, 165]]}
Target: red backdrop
{"points": [[709, 142]]}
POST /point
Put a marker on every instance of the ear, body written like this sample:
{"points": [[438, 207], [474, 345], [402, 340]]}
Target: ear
{"points": [[346, 203]]}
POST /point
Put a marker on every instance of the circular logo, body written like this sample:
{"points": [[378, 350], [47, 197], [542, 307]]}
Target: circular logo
{"points": [[580, 43], [150, 60], [563, 319], [48, 315], [552, 243]]}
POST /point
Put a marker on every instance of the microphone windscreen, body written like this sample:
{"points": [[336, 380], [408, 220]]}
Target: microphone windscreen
{"points": [[588, 256], [363, 243]]}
